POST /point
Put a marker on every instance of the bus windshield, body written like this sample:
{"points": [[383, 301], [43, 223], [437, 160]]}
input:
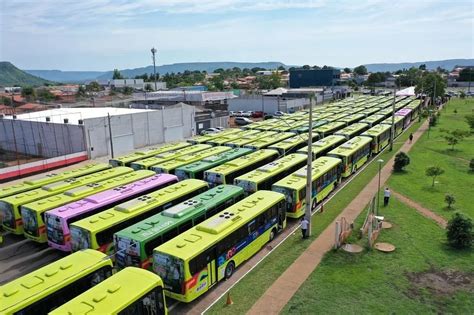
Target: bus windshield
{"points": [[127, 252], [30, 222], [80, 239], [54, 229], [289, 196], [182, 174], [170, 269], [6, 214]]}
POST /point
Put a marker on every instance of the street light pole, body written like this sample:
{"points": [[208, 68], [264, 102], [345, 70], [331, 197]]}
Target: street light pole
{"points": [[309, 162], [378, 189], [153, 52]]}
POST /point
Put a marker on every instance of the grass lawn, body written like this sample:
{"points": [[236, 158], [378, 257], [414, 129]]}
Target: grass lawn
{"points": [[435, 151], [422, 276], [250, 288]]}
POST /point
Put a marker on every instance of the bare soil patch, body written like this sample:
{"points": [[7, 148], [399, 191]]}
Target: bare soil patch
{"points": [[442, 283]]}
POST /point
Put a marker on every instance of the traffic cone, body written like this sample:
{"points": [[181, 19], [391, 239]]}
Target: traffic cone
{"points": [[229, 300]]}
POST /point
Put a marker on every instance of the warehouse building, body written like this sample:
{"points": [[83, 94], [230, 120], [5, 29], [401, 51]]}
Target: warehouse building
{"points": [[300, 78]]}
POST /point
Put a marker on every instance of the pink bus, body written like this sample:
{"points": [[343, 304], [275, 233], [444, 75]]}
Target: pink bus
{"points": [[59, 219], [406, 114]]}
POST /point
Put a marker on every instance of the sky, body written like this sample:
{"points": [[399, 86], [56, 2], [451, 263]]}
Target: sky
{"points": [[106, 34]]}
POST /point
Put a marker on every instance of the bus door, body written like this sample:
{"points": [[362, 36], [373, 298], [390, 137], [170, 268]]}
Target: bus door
{"points": [[212, 266]]}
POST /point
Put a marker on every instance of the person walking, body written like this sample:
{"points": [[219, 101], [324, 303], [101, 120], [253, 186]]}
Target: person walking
{"points": [[410, 137], [304, 227], [386, 196]]}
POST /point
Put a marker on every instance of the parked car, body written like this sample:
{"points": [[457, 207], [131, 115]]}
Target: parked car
{"points": [[257, 114], [242, 121], [210, 130], [220, 128], [278, 113], [267, 117], [231, 113]]}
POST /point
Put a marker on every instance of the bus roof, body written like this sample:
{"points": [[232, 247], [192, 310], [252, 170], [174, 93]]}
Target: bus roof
{"points": [[352, 117], [138, 155], [330, 126], [193, 241], [323, 144], [25, 290], [373, 118], [264, 142], [242, 161], [389, 120], [86, 190], [290, 142], [233, 136], [350, 146], [214, 160], [113, 294], [187, 159], [51, 178], [351, 129], [297, 180], [117, 214], [212, 136], [272, 168], [248, 139], [165, 156], [163, 221], [376, 130]]}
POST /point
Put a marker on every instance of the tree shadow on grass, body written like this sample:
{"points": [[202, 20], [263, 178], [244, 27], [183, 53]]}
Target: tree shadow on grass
{"points": [[400, 173]]}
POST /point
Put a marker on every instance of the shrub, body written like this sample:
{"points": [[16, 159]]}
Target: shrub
{"points": [[459, 231], [450, 200], [401, 160], [434, 171]]}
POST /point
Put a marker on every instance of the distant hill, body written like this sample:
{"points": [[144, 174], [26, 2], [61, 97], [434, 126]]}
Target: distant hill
{"points": [[66, 76], [430, 65], [81, 76], [11, 76]]}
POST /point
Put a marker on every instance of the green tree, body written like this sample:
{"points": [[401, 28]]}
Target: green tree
{"points": [[81, 91], [281, 68], [94, 86], [6, 101], [44, 95], [347, 70], [375, 77], [426, 84], [360, 70], [471, 165], [29, 93], [450, 200], [401, 160], [128, 90], [459, 231], [462, 95], [453, 137], [422, 67], [470, 121], [148, 87], [269, 82], [217, 82], [434, 171], [466, 74], [234, 85], [306, 67], [117, 75]]}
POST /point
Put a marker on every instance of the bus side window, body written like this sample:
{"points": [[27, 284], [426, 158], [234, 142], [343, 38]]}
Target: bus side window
{"points": [[185, 226], [199, 219], [169, 235], [252, 226], [149, 246]]}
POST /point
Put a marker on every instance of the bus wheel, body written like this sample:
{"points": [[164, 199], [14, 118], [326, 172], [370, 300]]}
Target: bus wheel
{"points": [[272, 235], [229, 269]]}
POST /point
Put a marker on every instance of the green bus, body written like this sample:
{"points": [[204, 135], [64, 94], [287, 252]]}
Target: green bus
{"points": [[315, 124], [352, 130], [196, 170], [336, 116], [243, 141], [415, 107], [130, 291], [212, 136], [134, 245], [283, 126], [32, 213], [227, 172], [263, 177], [97, 231], [166, 156], [291, 145], [126, 160], [322, 146], [325, 176], [10, 206], [398, 124], [193, 262], [351, 119], [386, 112], [380, 135], [353, 153], [373, 120], [263, 143], [228, 138], [329, 128], [171, 165], [51, 178]]}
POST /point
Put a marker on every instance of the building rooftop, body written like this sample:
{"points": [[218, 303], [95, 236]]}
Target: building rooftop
{"points": [[75, 113]]}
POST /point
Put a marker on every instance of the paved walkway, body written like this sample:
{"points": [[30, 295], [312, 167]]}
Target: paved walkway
{"points": [[422, 210], [283, 289]]}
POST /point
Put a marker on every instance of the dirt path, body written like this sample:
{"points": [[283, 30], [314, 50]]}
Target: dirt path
{"points": [[281, 291], [422, 210]]}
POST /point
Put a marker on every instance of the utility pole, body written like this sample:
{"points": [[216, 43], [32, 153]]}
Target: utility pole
{"points": [[309, 163], [153, 52], [110, 135], [392, 132]]}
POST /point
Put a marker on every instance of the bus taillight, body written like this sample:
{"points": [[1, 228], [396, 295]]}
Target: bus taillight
{"points": [[145, 264], [297, 206]]}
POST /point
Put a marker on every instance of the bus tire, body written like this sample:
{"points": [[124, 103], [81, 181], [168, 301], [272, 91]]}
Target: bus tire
{"points": [[229, 269], [272, 235]]}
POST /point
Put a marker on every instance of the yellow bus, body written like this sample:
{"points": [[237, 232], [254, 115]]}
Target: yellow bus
{"points": [[322, 146], [380, 135], [353, 153], [48, 287], [129, 291], [329, 128], [196, 260], [352, 130], [325, 175]]}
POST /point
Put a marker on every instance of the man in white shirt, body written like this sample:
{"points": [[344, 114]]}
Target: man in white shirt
{"points": [[304, 227], [386, 196]]}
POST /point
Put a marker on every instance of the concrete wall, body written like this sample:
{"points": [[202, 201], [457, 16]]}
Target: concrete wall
{"points": [[41, 138], [267, 104]]}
